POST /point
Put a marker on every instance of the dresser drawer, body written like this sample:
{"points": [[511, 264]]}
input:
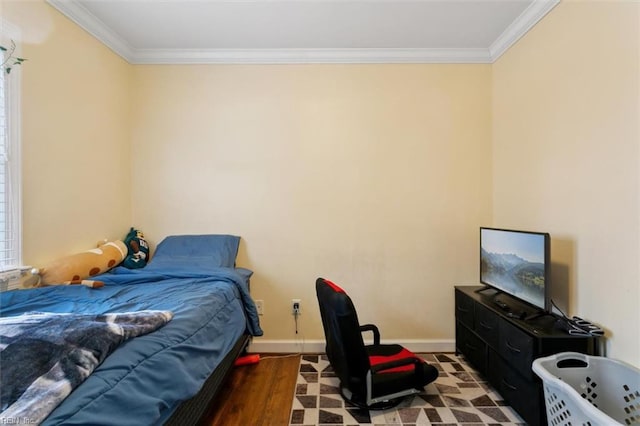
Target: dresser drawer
{"points": [[525, 396], [464, 309], [517, 348], [473, 348], [494, 366], [486, 325]]}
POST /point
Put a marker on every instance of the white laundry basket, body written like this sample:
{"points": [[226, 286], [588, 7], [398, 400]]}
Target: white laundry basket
{"points": [[589, 390]]}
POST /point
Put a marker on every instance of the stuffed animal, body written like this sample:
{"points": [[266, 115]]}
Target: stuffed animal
{"points": [[138, 250], [30, 278], [74, 269]]}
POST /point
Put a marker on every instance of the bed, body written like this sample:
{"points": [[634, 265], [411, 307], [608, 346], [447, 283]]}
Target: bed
{"points": [[169, 375]]}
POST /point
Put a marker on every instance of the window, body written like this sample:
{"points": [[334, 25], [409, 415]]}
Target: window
{"points": [[10, 230]]}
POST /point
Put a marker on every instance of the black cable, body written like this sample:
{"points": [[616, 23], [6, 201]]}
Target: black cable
{"points": [[560, 310]]}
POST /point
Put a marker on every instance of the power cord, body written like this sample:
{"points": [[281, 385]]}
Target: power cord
{"points": [[559, 310], [296, 314]]}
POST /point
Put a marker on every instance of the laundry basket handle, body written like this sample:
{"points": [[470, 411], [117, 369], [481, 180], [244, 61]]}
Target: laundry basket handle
{"points": [[571, 360], [560, 360]]}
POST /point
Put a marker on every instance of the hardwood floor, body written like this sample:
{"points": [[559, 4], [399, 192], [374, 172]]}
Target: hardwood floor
{"points": [[259, 395]]}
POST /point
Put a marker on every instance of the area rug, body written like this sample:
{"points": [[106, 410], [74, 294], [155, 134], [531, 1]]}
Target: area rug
{"points": [[460, 396]]}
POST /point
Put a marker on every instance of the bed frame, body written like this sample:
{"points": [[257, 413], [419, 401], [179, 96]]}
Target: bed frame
{"points": [[191, 411]]}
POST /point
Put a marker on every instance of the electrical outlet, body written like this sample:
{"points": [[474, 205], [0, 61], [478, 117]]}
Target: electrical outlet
{"points": [[296, 308], [260, 307]]}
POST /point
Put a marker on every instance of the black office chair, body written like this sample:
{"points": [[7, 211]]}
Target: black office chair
{"points": [[373, 376]]}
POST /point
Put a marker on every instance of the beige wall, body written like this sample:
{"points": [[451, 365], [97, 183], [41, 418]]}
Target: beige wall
{"points": [[566, 157], [375, 176], [75, 135]]}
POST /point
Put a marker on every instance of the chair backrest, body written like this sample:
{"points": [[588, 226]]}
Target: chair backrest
{"points": [[345, 346]]}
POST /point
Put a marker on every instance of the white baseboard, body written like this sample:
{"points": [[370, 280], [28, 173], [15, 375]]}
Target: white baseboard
{"points": [[259, 345]]}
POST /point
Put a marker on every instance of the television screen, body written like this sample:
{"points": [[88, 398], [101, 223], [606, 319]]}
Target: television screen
{"points": [[516, 263]]}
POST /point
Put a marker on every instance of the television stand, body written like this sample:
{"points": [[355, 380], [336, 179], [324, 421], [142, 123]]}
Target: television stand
{"points": [[538, 314], [501, 347], [485, 288]]}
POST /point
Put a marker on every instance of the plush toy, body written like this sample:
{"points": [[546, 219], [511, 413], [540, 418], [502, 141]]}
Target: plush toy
{"points": [[74, 269], [138, 250], [30, 278]]}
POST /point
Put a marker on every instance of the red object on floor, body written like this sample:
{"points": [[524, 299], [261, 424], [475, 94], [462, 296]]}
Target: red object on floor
{"points": [[247, 359]]}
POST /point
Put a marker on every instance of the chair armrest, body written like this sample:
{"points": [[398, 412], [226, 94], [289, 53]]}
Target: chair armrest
{"points": [[374, 329], [396, 363]]}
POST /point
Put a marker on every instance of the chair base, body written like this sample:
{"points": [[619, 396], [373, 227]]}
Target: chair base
{"points": [[348, 396]]}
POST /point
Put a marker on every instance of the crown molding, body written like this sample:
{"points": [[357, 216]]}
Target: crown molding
{"points": [[518, 28], [310, 56], [86, 20]]}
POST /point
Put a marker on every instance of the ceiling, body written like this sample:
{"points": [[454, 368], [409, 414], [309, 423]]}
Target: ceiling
{"points": [[307, 31]]}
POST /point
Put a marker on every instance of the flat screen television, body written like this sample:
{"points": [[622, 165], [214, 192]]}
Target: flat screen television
{"points": [[516, 263]]}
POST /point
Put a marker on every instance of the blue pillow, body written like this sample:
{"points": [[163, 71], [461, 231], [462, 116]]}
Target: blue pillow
{"points": [[197, 250]]}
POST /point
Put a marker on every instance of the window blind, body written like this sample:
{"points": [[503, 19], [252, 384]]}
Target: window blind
{"points": [[9, 199]]}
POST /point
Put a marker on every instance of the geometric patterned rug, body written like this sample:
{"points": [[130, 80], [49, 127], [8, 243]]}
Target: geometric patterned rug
{"points": [[459, 396]]}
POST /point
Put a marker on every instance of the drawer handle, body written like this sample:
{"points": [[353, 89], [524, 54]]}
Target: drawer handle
{"points": [[513, 349], [485, 325], [463, 310], [473, 348], [513, 388]]}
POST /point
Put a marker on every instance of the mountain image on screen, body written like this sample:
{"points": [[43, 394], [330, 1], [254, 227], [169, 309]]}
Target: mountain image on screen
{"points": [[514, 275]]}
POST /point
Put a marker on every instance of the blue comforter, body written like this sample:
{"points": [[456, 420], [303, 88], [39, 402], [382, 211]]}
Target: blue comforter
{"points": [[47, 355], [146, 378]]}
